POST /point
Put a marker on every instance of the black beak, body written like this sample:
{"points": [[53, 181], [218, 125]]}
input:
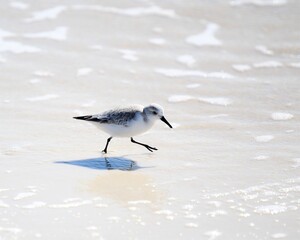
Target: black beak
{"points": [[165, 121]]}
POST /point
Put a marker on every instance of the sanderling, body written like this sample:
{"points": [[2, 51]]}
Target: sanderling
{"points": [[127, 122]]}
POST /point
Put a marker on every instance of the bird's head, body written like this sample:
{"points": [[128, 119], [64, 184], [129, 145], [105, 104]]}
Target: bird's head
{"points": [[155, 111]]}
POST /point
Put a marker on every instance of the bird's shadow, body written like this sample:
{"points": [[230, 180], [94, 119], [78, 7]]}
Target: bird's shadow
{"points": [[105, 163]]}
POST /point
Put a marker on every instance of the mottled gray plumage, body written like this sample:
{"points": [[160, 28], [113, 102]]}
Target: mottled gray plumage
{"points": [[120, 116]]}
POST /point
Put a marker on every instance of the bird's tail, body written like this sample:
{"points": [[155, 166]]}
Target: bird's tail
{"points": [[87, 118], [92, 118]]}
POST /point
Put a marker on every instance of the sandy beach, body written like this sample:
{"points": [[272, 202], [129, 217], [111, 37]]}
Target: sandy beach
{"points": [[225, 71]]}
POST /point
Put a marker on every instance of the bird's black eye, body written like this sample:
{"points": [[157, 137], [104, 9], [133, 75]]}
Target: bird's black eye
{"points": [[154, 113]]}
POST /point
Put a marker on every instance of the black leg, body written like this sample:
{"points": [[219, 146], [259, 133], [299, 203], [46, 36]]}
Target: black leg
{"points": [[105, 149], [145, 145]]}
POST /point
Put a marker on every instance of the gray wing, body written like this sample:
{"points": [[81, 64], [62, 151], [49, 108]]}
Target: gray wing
{"points": [[118, 116]]}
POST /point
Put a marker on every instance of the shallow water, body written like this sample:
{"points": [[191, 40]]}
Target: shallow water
{"points": [[227, 74]]}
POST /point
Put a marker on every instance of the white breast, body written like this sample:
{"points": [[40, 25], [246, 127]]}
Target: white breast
{"points": [[132, 128]]}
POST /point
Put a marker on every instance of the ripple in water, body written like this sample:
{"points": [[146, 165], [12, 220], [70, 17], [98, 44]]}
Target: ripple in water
{"points": [[206, 38], [50, 13], [281, 116]]}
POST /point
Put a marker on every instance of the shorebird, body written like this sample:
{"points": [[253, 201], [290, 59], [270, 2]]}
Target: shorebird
{"points": [[127, 122]]}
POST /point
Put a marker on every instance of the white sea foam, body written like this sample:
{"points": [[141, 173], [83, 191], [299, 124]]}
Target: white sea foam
{"points": [[244, 215], [172, 199], [217, 213], [24, 195], [193, 85], [189, 178], [32, 188], [213, 234], [132, 208], [191, 225], [114, 219], [296, 162], [180, 98], [268, 64], [19, 5], [34, 80], [42, 98], [187, 60], [270, 209], [191, 216], [290, 131], [50, 13], [2, 60], [188, 207], [264, 50], [132, 12], [129, 55], [139, 202], [101, 205], [164, 212], [247, 197], [281, 116], [71, 204], [3, 204], [290, 189], [264, 138], [84, 71], [261, 157], [3, 189], [17, 47], [216, 100], [169, 72], [218, 115], [4, 34], [38, 235], [215, 203], [295, 64], [91, 228], [10, 230], [41, 73], [259, 2], [278, 235], [59, 33], [36, 204], [157, 41], [241, 67], [206, 38]]}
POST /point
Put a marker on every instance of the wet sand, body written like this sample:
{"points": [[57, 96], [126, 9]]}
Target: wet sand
{"points": [[227, 74]]}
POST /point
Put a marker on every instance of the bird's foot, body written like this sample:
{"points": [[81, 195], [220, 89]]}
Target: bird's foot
{"points": [[151, 148]]}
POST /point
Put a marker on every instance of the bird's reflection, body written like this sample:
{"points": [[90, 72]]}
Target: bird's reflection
{"points": [[105, 163]]}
